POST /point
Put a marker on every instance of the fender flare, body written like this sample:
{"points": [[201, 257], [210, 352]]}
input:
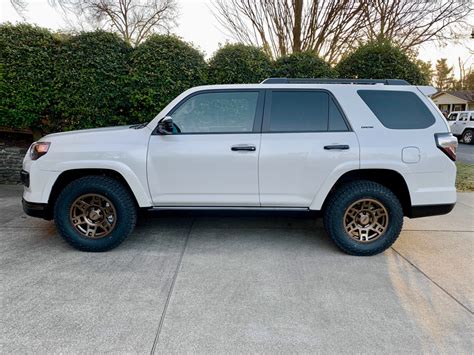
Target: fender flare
{"points": [[139, 188]]}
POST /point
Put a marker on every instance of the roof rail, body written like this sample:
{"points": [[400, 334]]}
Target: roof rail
{"points": [[334, 81]]}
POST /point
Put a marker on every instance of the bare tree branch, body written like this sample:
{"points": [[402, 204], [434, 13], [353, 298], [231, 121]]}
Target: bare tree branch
{"points": [[410, 23], [326, 27], [331, 27], [133, 20], [19, 6]]}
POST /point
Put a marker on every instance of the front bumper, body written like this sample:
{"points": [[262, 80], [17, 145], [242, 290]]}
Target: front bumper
{"points": [[39, 210]]}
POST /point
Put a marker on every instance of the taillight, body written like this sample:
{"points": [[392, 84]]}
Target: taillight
{"points": [[447, 143]]}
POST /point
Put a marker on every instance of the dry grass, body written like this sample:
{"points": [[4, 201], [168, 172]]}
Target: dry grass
{"points": [[465, 177]]}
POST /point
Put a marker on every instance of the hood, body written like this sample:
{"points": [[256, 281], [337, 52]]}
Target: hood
{"points": [[83, 132]]}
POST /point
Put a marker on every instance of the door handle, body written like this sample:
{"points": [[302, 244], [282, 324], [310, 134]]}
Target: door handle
{"points": [[336, 147], [247, 148]]}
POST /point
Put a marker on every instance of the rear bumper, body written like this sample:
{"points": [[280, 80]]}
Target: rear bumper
{"points": [[430, 210], [39, 210]]}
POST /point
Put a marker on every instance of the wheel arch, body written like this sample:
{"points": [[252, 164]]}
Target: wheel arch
{"points": [[391, 179], [68, 176]]}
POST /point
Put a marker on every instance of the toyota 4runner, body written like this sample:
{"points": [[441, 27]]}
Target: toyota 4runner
{"points": [[364, 152]]}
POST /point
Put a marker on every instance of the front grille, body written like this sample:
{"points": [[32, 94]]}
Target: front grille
{"points": [[25, 178]]}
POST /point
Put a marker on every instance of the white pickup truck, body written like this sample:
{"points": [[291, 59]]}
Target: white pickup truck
{"points": [[364, 152]]}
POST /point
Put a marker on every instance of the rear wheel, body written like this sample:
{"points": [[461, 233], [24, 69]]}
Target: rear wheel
{"points": [[467, 136], [95, 213], [363, 218]]}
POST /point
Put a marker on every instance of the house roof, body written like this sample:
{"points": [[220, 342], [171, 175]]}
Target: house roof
{"points": [[467, 95]]}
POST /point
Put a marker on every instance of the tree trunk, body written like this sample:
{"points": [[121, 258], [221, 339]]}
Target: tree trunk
{"points": [[298, 8]]}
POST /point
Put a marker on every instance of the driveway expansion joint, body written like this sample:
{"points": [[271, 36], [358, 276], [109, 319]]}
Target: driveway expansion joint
{"points": [[431, 280], [170, 292]]}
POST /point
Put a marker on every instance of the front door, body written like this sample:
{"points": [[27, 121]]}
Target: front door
{"points": [[458, 127], [212, 158]]}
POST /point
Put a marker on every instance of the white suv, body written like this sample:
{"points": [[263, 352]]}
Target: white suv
{"points": [[462, 125], [364, 152]]}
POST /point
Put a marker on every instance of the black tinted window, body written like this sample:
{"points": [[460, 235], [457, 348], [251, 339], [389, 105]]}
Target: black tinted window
{"points": [[336, 121], [398, 109], [299, 111], [217, 112]]}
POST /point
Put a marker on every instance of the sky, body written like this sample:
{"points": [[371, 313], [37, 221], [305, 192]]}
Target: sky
{"points": [[197, 24]]}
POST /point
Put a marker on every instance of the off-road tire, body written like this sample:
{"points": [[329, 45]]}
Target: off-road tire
{"points": [[113, 190], [345, 196]]}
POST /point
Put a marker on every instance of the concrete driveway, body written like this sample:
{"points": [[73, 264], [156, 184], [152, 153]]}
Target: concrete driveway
{"points": [[240, 283]]}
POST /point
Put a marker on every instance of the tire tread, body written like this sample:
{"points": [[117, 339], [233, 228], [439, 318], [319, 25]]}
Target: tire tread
{"points": [[118, 190], [354, 188]]}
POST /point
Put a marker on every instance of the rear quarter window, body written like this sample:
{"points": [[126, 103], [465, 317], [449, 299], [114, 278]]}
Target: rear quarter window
{"points": [[398, 109]]}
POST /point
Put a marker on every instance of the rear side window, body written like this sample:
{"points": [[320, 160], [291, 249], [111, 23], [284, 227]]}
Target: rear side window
{"points": [[398, 109], [304, 111]]}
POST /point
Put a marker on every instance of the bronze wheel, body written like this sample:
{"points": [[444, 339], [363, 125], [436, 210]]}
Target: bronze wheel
{"points": [[93, 216], [366, 220]]}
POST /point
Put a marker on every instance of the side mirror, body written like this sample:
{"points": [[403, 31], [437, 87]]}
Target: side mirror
{"points": [[165, 126]]}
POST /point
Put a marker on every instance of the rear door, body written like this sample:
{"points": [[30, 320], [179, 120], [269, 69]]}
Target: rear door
{"points": [[305, 138]]}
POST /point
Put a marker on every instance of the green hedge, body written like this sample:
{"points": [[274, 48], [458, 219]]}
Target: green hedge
{"points": [[27, 57], [381, 60], [91, 70], [160, 69], [239, 64], [303, 65], [50, 82]]}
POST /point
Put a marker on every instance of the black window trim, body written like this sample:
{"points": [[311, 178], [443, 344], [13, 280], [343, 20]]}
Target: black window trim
{"points": [[267, 111], [257, 123]]}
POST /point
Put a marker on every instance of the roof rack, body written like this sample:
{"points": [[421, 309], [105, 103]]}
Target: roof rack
{"points": [[334, 81]]}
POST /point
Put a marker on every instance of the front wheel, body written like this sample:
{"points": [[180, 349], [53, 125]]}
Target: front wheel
{"points": [[363, 218], [467, 136], [95, 213]]}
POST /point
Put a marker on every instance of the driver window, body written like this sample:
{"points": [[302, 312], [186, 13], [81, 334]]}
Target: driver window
{"points": [[452, 117], [217, 112]]}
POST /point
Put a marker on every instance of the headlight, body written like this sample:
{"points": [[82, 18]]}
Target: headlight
{"points": [[38, 149]]}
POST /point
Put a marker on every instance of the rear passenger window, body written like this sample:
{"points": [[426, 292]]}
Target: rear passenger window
{"points": [[398, 109], [304, 111]]}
